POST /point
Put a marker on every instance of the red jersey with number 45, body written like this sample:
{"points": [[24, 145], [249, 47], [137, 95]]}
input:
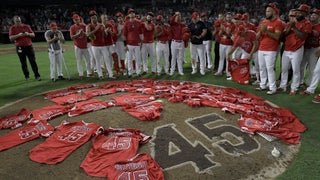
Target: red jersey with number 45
{"points": [[111, 146], [67, 138], [16, 120], [32, 130], [142, 166]]}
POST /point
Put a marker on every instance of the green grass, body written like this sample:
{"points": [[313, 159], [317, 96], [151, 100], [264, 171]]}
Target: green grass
{"points": [[306, 165]]}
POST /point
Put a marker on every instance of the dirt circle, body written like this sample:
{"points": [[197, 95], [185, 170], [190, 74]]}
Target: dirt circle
{"points": [[187, 142]]}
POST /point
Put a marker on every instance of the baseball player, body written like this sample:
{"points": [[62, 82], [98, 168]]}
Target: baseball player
{"points": [[198, 31], [226, 31], [207, 41], [162, 34], [132, 33], [79, 37], [54, 38], [215, 33], [95, 31], [269, 32], [119, 43], [315, 79], [295, 33], [21, 34], [310, 47], [147, 49], [177, 44], [110, 53]]}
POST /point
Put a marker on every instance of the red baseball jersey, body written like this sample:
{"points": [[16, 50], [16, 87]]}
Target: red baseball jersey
{"points": [[111, 146], [166, 33], [99, 34], [32, 130], [132, 31], [225, 38], [16, 120], [59, 93], [240, 71], [246, 43], [176, 29], [70, 99], [99, 92], [49, 112], [89, 106], [132, 99], [142, 166], [68, 137], [81, 86], [267, 43], [81, 42], [145, 112], [313, 39], [148, 35], [22, 41], [108, 39], [293, 42]]}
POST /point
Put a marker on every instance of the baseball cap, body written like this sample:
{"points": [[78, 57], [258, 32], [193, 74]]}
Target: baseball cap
{"points": [[304, 7], [150, 14], [316, 11], [92, 13], [238, 16], [203, 14], [130, 11], [119, 14], [194, 15], [159, 18], [53, 25], [274, 7], [75, 16], [245, 16], [241, 28]]}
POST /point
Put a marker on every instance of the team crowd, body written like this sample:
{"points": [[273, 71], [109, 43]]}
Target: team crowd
{"points": [[125, 46]]}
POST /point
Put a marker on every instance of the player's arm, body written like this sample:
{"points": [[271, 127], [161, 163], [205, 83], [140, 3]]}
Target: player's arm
{"points": [[49, 39], [254, 48], [203, 33], [274, 35], [301, 34], [233, 48], [61, 37]]}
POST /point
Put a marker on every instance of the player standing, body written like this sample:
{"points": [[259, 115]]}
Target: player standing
{"points": [[269, 32], [295, 33], [119, 43], [79, 37], [21, 34], [207, 41], [177, 44], [198, 31], [54, 38], [133, 37], [147, 49], [162, 34]]}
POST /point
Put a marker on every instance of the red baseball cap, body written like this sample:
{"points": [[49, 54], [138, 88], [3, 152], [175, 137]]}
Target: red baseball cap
{"points": [[194, 15], [238, 16], [316, 11], [130, 11], [203, 14], [75, 16], [245, 16], [150, 14], [159, 18], [92, 13], [119, 14], [304, 7], [53, 25]]}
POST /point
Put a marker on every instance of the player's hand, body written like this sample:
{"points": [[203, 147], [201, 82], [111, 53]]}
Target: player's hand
{"points": [[263, 28]]}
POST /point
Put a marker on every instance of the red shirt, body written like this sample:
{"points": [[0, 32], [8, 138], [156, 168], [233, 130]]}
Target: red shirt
{"points": [[131, 31], [99, 35], [81, 41], [217, 25], [148, 35], [312, 40], [22, 41], [176, 29], [246, 43], [108, 40], [293, 42], [165, 36], [67, 138], [266, 42], [111, 146], [225, 38]]}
